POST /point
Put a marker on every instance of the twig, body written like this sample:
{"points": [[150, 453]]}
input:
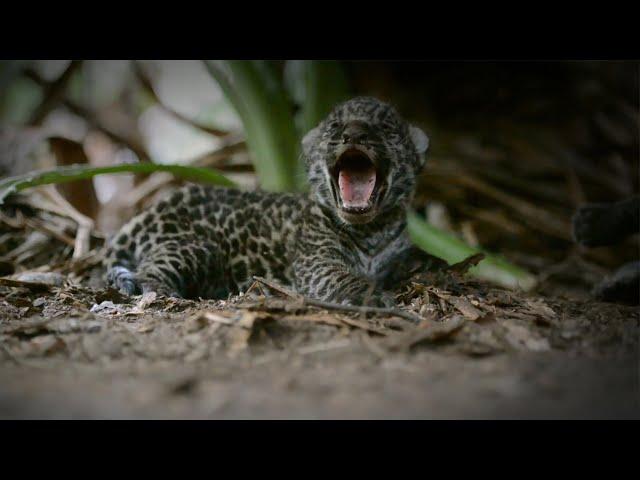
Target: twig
{"points": [[85, 224], [142, 190], [18, 222], [337, 306], [213, 317], [255, 286], [338, 321], [233, 144], [278, 288], [35, 286], [37, 225]]}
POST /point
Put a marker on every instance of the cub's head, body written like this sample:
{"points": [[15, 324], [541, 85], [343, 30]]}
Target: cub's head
{"points": [[363, 159]]}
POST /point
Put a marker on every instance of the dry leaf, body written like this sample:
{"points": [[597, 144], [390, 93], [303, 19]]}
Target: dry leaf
{"points": [[541, 311], [465, 307], [433, 332], [146, 300], [202, 320], [243, 329], [464, 266]]}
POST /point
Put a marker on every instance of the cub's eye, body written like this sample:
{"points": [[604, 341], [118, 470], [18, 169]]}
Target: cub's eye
{"points": [[334, 125]]}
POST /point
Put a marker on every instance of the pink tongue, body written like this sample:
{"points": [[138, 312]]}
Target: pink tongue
{"points": [[356, 186]]}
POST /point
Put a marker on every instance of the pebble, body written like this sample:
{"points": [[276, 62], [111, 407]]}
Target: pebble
{"points": [[40, 301]]}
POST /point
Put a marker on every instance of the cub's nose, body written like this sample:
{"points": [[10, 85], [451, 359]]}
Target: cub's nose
{"points": [[355, 132]]}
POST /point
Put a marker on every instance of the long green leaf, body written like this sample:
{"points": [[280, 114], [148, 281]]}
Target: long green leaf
{"points": [[266, 113], [81, 172], [452, 249]]}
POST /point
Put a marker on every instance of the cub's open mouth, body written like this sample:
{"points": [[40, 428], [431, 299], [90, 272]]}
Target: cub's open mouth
{"points": [[357, 181]]}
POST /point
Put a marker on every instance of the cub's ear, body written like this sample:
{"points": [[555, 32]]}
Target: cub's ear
{"points": [[419, 139], [309, 140]]}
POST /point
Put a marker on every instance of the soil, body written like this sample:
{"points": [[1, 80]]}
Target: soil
{"points": [[481, 352]]}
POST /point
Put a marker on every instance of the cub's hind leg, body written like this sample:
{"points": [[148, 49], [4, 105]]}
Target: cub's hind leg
{"points": [[120, 263], [184, 268]]}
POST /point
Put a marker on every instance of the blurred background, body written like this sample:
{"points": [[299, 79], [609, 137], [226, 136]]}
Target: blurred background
{"points": [[515, 147]]}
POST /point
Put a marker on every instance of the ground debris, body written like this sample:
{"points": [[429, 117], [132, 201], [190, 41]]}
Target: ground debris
{"points": [[30, 327], [62, 325], [425, 332], [34, 286], [107, 307], [244, 328], [520, 337], [465, 307], [44, 345], [542, 312], [112, 295]]}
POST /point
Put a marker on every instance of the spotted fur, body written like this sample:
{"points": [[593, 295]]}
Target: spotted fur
{"points": [[209, 241]]}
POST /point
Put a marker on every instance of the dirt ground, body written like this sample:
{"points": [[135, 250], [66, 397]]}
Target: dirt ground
{"points": [[480, 352]]}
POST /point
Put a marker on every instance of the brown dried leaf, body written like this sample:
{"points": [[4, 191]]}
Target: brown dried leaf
{"points": [[364, 325], [426, 333], [314, 317], [243, 330], [541, 311], [443, 294], [465, 307], [203, 319], [146, 300], [34, 286], [463, 267], [501, 298], [111, 294]]}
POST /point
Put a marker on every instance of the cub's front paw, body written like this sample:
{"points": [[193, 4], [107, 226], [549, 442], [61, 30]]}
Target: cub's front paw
{"points": [[380, 299]]}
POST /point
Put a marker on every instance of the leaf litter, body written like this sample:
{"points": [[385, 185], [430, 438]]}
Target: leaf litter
{"points": [[59, 320]]}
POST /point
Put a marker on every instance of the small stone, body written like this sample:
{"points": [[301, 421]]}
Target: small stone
{"points": [[107, 308], [39, 302]]}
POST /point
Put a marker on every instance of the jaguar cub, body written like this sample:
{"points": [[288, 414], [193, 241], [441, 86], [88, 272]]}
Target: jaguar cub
{"points": [[344, 242]]}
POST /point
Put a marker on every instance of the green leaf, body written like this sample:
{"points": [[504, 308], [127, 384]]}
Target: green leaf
{"points": [[258, 97], [81, 172], [448, 247]]}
